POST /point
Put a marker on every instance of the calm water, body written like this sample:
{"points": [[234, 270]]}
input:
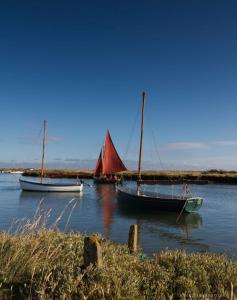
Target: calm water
{"points": [[212, 229]]}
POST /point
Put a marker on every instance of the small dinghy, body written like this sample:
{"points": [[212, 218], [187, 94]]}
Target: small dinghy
{"points": [[41, 186], [49, 187]]}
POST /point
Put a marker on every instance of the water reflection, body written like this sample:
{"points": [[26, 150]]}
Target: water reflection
{"points": [[214, 229], [106, 195], [166, 225], [49, 209], [58, 198], [193, 220]]}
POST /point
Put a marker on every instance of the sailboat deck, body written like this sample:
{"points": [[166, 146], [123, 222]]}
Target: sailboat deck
{"points": [[150, 194]]}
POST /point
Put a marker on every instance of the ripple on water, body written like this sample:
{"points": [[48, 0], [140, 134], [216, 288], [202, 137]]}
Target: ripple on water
{"points": [[95, 210]]}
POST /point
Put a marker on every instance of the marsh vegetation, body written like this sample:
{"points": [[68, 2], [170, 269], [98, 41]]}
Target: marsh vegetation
{"points": [[47, 264], [169, 177]]}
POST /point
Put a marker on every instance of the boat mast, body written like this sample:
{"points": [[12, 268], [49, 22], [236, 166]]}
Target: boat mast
{"points": [[141, 137], [44, 142]]}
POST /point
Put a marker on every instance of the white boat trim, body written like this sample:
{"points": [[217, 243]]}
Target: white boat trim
{"points": [[50, 187]]}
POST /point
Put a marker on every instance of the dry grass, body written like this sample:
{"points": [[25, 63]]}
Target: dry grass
{"points": [[211, 176], [48, 264], [61, 173]]}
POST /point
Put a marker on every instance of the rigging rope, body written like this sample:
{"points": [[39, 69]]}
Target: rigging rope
{"points": [[186, 188], [39, 134], [154, 141], [35, 142], [148, 117], [156, 147], [131, 134]]}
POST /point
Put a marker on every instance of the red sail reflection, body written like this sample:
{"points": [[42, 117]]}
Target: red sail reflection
{"points": [[106, 194]]}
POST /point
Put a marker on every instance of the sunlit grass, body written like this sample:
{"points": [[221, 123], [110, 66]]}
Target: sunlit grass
{"points": [[211, 176], [41, 263], [60, 173], [49, 264]]}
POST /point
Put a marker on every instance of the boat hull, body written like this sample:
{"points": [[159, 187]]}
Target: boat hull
{"points": [[99, 180], [48, 187], [128, 198]]}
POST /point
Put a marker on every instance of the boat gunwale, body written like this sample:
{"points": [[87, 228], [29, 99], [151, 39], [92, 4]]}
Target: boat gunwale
{"points": [[158, 196], [50, 184]]}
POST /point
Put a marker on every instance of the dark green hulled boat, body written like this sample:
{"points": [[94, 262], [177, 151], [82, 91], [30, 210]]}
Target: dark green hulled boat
{"points": [[149, 200], [138, 198]]}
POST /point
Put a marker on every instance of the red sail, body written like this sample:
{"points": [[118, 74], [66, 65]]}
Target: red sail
{"points": [[99, 165], [111, 160]]}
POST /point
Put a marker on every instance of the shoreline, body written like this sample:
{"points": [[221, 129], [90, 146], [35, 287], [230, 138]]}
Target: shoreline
{"points": [[151, 177]]}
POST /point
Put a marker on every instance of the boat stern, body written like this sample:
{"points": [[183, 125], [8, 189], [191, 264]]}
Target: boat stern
{"points": [[193, 204]]}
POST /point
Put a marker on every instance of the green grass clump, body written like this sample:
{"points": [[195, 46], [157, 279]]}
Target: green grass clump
{"points": [[49, 265]]}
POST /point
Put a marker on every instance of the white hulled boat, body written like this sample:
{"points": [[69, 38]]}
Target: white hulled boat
{"points": [[41, 186], [49, 187]]}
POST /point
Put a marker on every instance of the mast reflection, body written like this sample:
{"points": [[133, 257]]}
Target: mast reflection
{"points": [[163, 219]]}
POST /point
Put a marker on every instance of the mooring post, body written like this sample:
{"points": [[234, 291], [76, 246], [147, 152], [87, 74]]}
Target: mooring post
{"points": [[92, 251], [231, 291], [133, 238]]}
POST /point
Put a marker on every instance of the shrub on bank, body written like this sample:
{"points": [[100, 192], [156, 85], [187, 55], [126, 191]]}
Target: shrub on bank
{"points": [[49, 265]]}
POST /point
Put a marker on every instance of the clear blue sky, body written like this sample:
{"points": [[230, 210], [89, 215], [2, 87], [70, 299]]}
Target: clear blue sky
{"points": [[82, 65]]}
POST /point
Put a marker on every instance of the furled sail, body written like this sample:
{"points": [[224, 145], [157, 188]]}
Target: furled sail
{"points": [[109, 161]]}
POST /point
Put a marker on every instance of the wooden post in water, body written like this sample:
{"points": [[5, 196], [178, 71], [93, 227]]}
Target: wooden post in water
{"points": [[44, 142], [133, 238], [92, 252]]}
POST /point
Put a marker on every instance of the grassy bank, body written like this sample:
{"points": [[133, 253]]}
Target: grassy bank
{"points": [[86, 174], [48, 265], [166, 177]]}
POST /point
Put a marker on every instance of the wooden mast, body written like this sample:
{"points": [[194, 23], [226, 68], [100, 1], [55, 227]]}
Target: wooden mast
{"points": [[44, 142], [141, 137]]}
